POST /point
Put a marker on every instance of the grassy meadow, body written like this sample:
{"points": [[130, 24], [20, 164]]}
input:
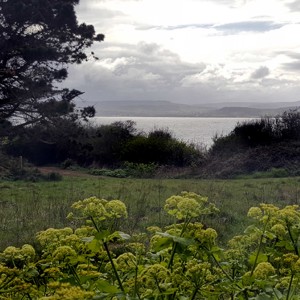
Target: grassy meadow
{"points": [[28, 207]]}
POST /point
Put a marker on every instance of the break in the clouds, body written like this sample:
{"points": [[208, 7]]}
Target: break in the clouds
{"points": [[192, 51], [227, 28]]}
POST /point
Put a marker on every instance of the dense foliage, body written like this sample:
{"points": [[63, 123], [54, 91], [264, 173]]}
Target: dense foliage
{"points": [[39, 38], [110, 146], [258, 145], [94, 260]]}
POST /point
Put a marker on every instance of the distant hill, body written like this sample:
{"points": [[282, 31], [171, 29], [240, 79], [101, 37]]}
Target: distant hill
{"points": [[171, 109]]}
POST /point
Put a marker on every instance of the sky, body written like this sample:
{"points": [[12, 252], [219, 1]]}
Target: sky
{"points": [[191, 51]]}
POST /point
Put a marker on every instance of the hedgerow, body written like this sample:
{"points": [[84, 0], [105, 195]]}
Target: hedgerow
{"points": [[93, 259]]}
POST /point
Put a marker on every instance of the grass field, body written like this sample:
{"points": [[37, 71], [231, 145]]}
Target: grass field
{"points": [[28, 207]]}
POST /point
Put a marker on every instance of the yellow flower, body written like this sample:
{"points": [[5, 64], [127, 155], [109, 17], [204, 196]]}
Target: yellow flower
{"points": [[187, 205], [155, 275], [255, 213], [279, 230], [12, 253], [263, 270], [64, 291], [126, 262], [85, 231], [64, 252], [154, 229], [290, 214], [116, 209]]}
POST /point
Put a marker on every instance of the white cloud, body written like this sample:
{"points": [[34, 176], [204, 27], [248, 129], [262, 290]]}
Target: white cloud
{"points": [[192, 51]]}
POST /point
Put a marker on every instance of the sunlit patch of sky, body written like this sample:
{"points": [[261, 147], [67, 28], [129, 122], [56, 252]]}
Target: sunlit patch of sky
{"points": [[192, 51]]}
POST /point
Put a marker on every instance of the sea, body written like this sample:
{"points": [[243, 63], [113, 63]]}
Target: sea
{"points": [[199, 131]]}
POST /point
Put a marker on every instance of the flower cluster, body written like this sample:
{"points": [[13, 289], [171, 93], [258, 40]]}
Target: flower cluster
{"points": [[188, 205], [67, 292], [180, 261]]}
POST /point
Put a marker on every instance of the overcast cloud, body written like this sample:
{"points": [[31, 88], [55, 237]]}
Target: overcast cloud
{"points": [[191, 51]]}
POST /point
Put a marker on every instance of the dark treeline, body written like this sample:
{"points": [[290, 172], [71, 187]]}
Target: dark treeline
{"points": [[99, 146], [268, 144], [259, 145]]}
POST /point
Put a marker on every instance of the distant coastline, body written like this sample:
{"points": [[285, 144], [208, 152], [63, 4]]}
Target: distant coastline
{"points": [[211, 110]]}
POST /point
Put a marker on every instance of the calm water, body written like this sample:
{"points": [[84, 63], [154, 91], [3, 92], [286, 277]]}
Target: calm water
{"points": [[195, 130]]}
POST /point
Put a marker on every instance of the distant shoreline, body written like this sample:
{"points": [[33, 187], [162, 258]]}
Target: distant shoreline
{"points": [[187, 117], [164, 109]]}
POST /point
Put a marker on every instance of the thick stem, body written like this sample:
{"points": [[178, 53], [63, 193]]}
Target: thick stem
{"points": [[74, 273], [195, 293], [172, 255], [290, 287], [113, 266], [174, 246], [292, 239], [110, 258]]}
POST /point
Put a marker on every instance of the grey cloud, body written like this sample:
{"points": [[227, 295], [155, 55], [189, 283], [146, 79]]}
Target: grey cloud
{"points": [[127, 72], [249, 26], [290, 54], [294, 5], [147, 71], [174, 27], [261, 72], [227, 28], [292, 66]]}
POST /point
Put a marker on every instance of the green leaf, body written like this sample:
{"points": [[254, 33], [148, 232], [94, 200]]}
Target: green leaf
{"points": [[270, 235], [177, 239], [100, 236], [88, 239], [94, 245], [106, 287], [263, 296], [261, 258], [119, 235], [162, 243], [277, 293], [252, 229], [286, 244]]}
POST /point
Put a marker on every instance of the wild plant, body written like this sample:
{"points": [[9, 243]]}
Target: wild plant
{"points": [[94, 259]]}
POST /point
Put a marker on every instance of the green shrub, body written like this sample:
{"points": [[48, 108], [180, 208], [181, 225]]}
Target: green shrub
{"points": [[140, 170], [118, 173], [53, 176], [160, 148]]}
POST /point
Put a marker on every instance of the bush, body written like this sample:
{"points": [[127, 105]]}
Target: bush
{"points": [[160, 148], [53, 176], [118, 173], [140, 170], [262, 146]]}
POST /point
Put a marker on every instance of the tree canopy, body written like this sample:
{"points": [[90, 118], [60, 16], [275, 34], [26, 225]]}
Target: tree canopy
{"points": [[39, 39]]}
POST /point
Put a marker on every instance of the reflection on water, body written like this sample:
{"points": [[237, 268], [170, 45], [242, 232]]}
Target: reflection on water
{"points": [[195, 130]]}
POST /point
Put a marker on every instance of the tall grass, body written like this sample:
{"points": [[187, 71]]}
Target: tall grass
{"points": [[26, 207]]}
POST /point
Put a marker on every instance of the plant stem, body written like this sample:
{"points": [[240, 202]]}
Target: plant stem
{"points": [[195, 293], [172, 255], [292, 239], [74, 273], [174, 246], [259, 246], [110, 258], [290, 287], [219, 265], [113, 266]]}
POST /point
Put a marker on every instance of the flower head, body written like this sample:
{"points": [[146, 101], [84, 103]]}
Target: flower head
{"points": [[188, 205], [263, 270]]}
